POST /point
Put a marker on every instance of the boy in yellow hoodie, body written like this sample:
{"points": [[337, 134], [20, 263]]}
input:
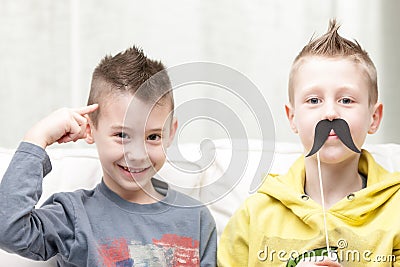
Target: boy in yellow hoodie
{"points": [[354, 219]]}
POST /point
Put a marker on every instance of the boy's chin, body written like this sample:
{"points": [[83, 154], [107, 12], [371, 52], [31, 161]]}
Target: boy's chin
{"points": [[142, 177], [335, 154]]}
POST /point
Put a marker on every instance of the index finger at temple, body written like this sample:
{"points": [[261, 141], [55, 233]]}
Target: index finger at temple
{"points": [[86, 109], [80, 119]]}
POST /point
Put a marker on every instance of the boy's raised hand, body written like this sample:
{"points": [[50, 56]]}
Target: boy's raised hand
{"points": [[62, 126]]}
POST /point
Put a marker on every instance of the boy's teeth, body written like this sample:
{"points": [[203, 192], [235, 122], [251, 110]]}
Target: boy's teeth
{"points": [[134, 171]]}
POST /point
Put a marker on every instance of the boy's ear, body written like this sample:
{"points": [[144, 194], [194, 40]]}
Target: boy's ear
{"points": [[89, 135], [376, 118], [290, 115], [172, 131]]}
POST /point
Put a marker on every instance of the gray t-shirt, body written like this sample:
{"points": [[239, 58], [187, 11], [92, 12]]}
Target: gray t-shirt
{"points": [[97, 227]]}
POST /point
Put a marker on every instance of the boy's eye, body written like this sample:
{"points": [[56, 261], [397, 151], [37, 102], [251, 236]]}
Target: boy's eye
{"points": [[154, 137], [346, 100], [122, 135], [313, 100]]}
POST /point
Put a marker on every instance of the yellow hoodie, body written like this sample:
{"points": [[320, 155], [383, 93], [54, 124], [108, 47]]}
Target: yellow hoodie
{"points": [[280, 224]]}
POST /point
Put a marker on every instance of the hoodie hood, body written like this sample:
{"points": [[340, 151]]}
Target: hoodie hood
{"points": [[355, 209]]}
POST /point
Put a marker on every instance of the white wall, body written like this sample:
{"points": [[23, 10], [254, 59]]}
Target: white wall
{"points": [[49, 48]]}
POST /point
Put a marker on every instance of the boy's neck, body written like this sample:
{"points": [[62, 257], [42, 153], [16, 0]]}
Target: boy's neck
{"points": [[149, 196], [338, 180], [145, 195]]}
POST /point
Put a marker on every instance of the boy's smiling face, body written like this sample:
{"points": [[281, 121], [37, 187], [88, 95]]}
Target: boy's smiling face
{"points": [[331, 88], [131, 136]]}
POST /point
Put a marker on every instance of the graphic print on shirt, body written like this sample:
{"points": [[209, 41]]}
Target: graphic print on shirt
{"points": [[169, 251]]}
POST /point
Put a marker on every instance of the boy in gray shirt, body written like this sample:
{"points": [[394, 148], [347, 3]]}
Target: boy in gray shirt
{"points": [[129, 218]]}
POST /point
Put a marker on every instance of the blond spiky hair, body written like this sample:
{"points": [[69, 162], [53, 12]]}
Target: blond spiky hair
{"points": [[332, 45]]}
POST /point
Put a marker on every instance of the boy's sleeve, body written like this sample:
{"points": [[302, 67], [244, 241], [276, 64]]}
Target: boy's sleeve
{"points": [[233, 249], [208, 242], [36, 234]]}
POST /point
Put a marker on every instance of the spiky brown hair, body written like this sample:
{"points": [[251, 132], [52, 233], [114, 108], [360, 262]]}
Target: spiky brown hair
{"points": [[126, 72]]}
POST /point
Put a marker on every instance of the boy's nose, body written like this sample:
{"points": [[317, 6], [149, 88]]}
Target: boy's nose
{"points": [[135, 152], [331, 113]]}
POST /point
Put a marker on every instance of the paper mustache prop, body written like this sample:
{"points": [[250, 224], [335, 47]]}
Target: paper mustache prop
{"points": [[342, 130]]}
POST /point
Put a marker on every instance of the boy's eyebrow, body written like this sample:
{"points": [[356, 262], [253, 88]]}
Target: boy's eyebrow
{"points": [[313, 88], [123, 127], [119, 127], [155, 130]]}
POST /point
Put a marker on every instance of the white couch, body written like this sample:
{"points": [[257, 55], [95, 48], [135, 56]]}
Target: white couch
{"points": [[75, 168]]}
